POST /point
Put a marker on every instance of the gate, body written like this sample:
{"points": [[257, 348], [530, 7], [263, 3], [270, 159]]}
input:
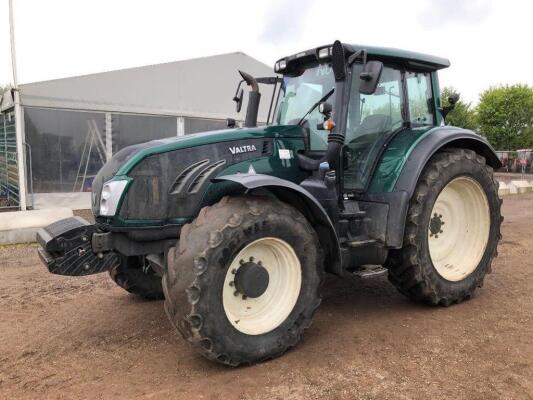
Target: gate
{"points": [[9, 181]]}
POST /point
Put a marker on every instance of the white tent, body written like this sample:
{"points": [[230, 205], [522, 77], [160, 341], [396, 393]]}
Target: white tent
{"points": [[71, 126]]}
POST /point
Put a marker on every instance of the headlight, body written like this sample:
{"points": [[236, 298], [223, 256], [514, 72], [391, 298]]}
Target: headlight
{"points": [[110, 197]]}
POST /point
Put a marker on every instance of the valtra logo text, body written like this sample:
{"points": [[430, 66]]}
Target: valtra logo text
{"points": [[242, 149]]}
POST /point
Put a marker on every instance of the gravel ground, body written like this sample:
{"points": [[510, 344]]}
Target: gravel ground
{"points": [[84, 337]]}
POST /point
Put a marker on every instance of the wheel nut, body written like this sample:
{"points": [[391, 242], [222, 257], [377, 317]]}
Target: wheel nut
{"points": [[244, 297], [233, 271], [232, 284], [236, 293], [251, 259]]}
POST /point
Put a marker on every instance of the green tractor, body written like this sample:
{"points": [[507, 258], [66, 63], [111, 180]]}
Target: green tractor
{"points": [[354, 173]]}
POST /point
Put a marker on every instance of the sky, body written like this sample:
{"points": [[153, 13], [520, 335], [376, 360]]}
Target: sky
{"points": [[487, 41]]}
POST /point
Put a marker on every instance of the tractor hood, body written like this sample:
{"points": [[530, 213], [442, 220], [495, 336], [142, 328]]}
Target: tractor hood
{"points": [[162, 168]]}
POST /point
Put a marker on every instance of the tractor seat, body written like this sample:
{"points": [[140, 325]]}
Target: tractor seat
{"points": [[374, 124]]}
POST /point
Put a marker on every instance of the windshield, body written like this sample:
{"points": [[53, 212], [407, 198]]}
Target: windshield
{"points": [[299, 93]]}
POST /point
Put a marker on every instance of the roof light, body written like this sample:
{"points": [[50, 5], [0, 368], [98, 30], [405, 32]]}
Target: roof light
{"points": [[324, 52], [280, 65]]}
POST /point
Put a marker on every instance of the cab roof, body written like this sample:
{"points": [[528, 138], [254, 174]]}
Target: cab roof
{"points": [[409, 59]]}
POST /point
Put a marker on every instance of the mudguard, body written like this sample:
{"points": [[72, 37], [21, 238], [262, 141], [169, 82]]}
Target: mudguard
{"points": [[436, 140], [302, 200], [398, 199]]}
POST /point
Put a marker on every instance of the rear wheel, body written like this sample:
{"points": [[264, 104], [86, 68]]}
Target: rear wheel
{"points": [[131, 276], [243, 284], [452, 230]]}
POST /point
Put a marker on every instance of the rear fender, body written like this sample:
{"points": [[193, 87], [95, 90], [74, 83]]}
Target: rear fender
{"points": [[439, 139], [303, 201]]}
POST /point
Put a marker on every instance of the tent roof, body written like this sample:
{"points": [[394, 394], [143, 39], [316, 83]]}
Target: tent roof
{"points": [[201, 87]]}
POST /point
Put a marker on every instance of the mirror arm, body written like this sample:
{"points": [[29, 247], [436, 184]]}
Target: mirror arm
{"points": [[446, 110], [236, 97], [355, 56]]}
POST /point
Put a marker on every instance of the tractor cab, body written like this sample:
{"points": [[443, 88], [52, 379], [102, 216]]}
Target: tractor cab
{"points": [[375, 94]]}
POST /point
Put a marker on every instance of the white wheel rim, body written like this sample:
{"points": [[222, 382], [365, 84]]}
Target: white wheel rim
{"points": [[255, 316], [457, 248]]}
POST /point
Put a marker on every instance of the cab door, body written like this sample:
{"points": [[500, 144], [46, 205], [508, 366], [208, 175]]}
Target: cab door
{"points": [[401, 107], [371, 120]]}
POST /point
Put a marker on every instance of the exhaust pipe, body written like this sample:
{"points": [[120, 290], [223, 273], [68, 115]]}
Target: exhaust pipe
{"points": [[336, 139], [254, 97]]}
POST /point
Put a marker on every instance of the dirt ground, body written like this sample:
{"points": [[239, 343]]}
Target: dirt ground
{"points": [[84, 337]]}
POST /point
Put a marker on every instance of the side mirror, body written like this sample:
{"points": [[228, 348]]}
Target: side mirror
{"points": [[370, 77], [453, 99], [238, 100]]}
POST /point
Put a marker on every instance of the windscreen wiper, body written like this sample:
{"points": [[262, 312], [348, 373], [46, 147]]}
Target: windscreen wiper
{"points": [[324, 98]]}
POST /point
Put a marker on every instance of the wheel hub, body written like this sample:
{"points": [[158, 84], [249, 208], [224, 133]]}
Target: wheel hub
{"points": [[251, 279], [435, 225]]}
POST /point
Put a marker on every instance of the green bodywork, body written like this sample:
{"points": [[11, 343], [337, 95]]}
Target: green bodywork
{"points": [[386, 172], [394, 157], [284, 137], [200, 139]]}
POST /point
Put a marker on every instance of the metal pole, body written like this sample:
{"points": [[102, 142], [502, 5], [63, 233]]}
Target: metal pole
{"points": [[12, 37], [18, 116], [180, 121], [108, 136]]}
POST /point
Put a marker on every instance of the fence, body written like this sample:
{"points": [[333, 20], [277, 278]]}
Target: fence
{"points": [[9, 183]]}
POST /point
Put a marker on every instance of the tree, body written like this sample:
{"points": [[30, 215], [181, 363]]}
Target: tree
{"points": [[462, 115], [505, 116]]}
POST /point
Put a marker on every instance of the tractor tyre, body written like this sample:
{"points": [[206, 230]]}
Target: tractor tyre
{"points": [[452, 230], [243, 283], [131, 276]]}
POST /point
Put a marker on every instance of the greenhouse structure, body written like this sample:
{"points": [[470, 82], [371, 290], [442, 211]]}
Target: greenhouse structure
{"points": [[69, 127]]}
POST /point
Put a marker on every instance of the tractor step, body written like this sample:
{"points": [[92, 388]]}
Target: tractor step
{"points": [[360, 243], [369, 271], [352, 215]]}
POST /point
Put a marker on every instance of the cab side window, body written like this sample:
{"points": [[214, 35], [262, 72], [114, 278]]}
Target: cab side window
{"points": [[420, 98], [371, 120]]}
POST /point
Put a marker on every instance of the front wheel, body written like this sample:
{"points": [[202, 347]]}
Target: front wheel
{"points": [[452, 230], [132, 276], [243, 284]]}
